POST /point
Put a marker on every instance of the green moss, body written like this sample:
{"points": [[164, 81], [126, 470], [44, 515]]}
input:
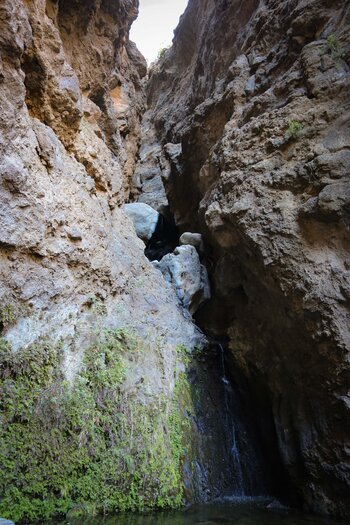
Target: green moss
{"points": [[7, 315], [11, 310], [86, 448]]}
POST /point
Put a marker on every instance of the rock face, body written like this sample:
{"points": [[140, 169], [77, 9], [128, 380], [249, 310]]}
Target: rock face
{"points": [[151, 169], [93, 391], [252, 106]]}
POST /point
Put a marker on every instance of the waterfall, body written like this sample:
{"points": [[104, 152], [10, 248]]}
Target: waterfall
{"points": [[234, 452]]}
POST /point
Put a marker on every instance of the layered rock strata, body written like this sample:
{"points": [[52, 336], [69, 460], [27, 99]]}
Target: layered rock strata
{"points": [[252, 107]]}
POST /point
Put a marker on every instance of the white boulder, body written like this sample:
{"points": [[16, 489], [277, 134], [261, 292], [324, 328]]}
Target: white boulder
{"points": [[144, 217]]}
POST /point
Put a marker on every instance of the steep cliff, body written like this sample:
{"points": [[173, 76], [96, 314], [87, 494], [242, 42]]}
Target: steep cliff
{"points": [[108, 401], [94, 397], [252, 106]]}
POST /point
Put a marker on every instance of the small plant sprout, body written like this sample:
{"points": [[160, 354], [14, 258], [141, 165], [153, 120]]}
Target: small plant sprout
{"points": [[294, 129], [335, 47], [7, 315], [162, 53]]}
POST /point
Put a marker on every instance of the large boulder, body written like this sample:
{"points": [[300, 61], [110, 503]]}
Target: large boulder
{"points": [[144, 218], [183, 270]]}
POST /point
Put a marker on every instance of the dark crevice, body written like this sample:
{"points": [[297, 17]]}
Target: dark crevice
{"points": [[164, 239]]}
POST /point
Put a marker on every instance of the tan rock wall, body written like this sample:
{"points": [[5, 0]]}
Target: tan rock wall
{"points": [[67, 153]]}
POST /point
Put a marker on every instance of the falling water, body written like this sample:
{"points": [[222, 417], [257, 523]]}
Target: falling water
{"points": [[231, 428]]}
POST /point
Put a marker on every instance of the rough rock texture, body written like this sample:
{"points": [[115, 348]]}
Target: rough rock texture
{"points": [[193, 239], [252, 104], [90, 332], [151, 168], [184, 271]]}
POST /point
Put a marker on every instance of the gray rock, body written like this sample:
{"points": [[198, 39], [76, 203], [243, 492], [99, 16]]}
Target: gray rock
{"points": [[334, 199], [151, 169], [192, 239], [6, 522], [183, 270], [144, 217], [250, 86], [13, 173]]}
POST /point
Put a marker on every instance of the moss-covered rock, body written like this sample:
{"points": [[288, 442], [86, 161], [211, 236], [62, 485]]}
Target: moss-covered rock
{"points": [[88, 447]]}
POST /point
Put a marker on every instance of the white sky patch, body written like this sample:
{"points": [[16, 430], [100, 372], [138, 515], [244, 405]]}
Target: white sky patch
{"points": [[154, 28]]}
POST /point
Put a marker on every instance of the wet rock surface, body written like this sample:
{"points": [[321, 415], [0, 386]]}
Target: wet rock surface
{"points": [[252, 107]]}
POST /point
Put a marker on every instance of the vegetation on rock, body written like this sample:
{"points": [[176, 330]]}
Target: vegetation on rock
{"points": [[294, 129], [335, 47], [86, 448], [162, 52]]}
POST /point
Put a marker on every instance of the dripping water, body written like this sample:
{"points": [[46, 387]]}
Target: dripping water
{"points": [[234, 453]]}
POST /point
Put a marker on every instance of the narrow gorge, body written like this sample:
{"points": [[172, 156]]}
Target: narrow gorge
{"points": [[174, 260]]}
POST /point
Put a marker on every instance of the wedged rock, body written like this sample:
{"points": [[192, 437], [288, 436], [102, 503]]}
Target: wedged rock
{"points": [[144, 218], [192, 239], [183, 270]]}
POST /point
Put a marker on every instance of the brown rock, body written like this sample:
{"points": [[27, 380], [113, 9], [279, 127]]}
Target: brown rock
{"points": [[259, 100]]}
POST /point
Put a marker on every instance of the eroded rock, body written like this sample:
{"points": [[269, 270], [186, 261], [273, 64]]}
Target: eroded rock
{"points": [[183, 270]]}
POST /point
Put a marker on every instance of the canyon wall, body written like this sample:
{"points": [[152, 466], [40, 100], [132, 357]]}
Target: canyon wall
{"points": [[111, 398], [252, 107], [94, 397]]}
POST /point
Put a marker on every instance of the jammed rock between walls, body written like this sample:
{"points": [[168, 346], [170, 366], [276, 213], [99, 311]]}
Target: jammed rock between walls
{"points": [[188, 276], [181, 267]]}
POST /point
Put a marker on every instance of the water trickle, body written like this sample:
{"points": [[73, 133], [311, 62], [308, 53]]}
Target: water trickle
{"points": [[234, 455]]}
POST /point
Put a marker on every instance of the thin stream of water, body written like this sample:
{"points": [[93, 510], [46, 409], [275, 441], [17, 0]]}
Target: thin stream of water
{"points": [[234, 450]]}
